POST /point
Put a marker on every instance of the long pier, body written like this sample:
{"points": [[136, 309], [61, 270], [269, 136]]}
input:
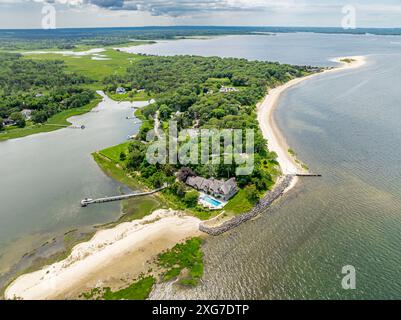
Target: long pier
{"points": [[82, 127], [307, 175], [86, 202]]}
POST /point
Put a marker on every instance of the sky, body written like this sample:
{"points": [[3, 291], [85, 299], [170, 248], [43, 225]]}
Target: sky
{"points": [[130, 13]]}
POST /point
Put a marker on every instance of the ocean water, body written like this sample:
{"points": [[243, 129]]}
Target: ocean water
{"points": [[345, 126]]}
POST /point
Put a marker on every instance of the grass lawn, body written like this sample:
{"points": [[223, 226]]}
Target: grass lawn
{"points": [[95, 69], [175, 202], [139, 96], [239, 204], [56, 122], [138, 113], [117, 173], [113, 153]]}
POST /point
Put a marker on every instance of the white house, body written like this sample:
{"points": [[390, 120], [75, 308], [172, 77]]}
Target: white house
{"points": [[228, 89]]}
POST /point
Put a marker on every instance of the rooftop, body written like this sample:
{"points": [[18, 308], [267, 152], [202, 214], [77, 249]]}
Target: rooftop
{"points": [[212, 185]]}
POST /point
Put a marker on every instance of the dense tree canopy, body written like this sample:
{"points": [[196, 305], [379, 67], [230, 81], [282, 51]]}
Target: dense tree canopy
{"points": [[187, 89], [42, 86]]}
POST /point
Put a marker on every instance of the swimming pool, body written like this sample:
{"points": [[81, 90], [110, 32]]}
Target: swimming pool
{"points": [[212, 201]]}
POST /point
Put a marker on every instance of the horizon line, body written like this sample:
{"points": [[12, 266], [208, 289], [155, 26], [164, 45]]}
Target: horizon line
{"points": [[203, 26]]}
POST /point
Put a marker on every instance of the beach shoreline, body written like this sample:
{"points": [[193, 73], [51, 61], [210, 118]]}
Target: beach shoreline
{"points": [[92, 260], [265, 114], [128, 243]]}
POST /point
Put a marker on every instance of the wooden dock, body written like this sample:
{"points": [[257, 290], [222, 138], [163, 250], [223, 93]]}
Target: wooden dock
{"points": [[87, 201], [307, 175], [82, 127]]}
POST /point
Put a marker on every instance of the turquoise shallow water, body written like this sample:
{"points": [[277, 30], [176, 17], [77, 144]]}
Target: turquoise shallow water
{"points": [[345, 126]]}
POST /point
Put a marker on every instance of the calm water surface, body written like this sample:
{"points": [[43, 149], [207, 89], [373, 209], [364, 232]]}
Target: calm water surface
{"points": [[345, 126], [45, 176]]}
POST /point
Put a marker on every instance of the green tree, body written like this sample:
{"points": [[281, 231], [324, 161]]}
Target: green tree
{"points": [[191, 198], [39, 116], [123, 156], [19, 119], [23, 81], [165, 112], [252, 193], [145, 128], [1, 123], [178, 188], [158, 179], [136, 158]]}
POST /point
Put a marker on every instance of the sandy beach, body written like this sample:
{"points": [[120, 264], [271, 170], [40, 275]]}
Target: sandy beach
{"points": [[276, 141], [132, 244]]}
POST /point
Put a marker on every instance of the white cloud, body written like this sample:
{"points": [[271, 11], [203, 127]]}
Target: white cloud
{"points": [[176, 8], [206, 12]]}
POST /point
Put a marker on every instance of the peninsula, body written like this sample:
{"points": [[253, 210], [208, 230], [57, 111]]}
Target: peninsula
{"points": [[137, 244]]}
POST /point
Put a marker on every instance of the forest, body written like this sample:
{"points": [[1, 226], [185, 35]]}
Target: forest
{"points": [[195, 92], [67, 39], [71, 38], [44, 88], [188, 90]]}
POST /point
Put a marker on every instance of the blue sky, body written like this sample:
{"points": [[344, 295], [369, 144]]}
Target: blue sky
{"points": [[107, 13]]}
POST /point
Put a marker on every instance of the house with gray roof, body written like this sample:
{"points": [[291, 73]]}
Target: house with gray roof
{"points": [[121, 90], [220, 189]]}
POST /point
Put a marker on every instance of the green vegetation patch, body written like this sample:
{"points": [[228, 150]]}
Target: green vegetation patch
{"points": [[38, 96], [239, 204], [110, 169], [135, 208], [348, 60], [55, 122], [115, 153], [116, 64], [139, 290], [184, 260], [292, 152], [130, 96], [186, 256], [186, 90]]}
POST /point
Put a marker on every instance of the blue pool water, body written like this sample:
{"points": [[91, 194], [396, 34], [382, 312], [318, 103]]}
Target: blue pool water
{"points": [[213, 202]]}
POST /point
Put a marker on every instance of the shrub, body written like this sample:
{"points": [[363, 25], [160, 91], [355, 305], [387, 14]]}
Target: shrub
{"points": [[191, 198]]}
